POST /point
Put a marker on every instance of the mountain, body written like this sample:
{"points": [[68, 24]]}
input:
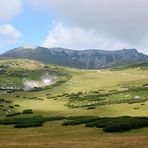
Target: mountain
{"points": [[85, 59]]}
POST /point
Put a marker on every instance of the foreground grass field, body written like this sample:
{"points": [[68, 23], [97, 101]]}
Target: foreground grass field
{"points": [[54, 135], [108, 93]]}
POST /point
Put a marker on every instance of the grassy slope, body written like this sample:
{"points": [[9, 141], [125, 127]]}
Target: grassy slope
{"points": [[52, 134], [16, 70], [84, 81]]}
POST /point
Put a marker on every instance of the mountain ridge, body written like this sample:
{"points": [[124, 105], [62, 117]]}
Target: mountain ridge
{"points": [[85, 59]]}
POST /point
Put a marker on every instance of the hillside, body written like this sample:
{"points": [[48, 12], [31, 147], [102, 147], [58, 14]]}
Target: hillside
{"points": [[80, 107], [142, 66], [85, 59], [23, 74], [72, 88]]}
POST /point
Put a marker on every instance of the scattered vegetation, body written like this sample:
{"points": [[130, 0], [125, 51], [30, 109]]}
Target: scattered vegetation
{"points": [[25, 122], [143, 66], [96, 98], [109, 124], [86, 90], [27, 111], [114, 124], [13, 114]]}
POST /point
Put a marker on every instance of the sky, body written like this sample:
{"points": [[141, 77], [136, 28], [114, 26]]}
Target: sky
{"points": [[74, 24]]}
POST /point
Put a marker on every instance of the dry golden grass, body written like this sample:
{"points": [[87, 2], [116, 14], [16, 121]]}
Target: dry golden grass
{"points": [[53, 135]]}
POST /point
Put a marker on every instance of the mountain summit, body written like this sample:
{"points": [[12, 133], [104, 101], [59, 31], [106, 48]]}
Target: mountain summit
{"points": [[86, 59]]}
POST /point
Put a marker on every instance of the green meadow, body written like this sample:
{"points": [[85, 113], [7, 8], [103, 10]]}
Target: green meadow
{"points": [[101, 93]]}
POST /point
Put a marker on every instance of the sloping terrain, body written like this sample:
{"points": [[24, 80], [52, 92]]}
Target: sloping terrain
{"points": [[84, 98], [27, 74], [85, 59]]}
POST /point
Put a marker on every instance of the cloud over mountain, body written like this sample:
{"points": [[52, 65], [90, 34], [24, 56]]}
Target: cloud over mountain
{"points": [[124, 22]]}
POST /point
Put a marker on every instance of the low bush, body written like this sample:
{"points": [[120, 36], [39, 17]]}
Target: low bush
{"points": [[10, 106], [100, 123], [20, 120], [24, 122], [81, 120], [27, 125], [17, 113], [111, 124], [91, 107], [27, 111], [14, 114], [10, 115], [16, 105], [125, 124]]}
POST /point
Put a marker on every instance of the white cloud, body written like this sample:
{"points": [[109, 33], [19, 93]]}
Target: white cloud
{"points": [[124, 21], [79, 38], [8, 35], [9, 8]]}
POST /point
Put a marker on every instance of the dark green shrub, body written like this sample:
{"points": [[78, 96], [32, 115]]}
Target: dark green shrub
{"points": [[91, 107], [10, 115], [18, 113], [142, 104], [92, 124], [20, 120], [27, 111], [37, 89], [100, 123], [117, 126], [109, 124], [14, 114], [28, 121], [10, 91], [27, 125], [145, 85], [10, 106], [81, 120], [16, 105], [122, 124]]}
